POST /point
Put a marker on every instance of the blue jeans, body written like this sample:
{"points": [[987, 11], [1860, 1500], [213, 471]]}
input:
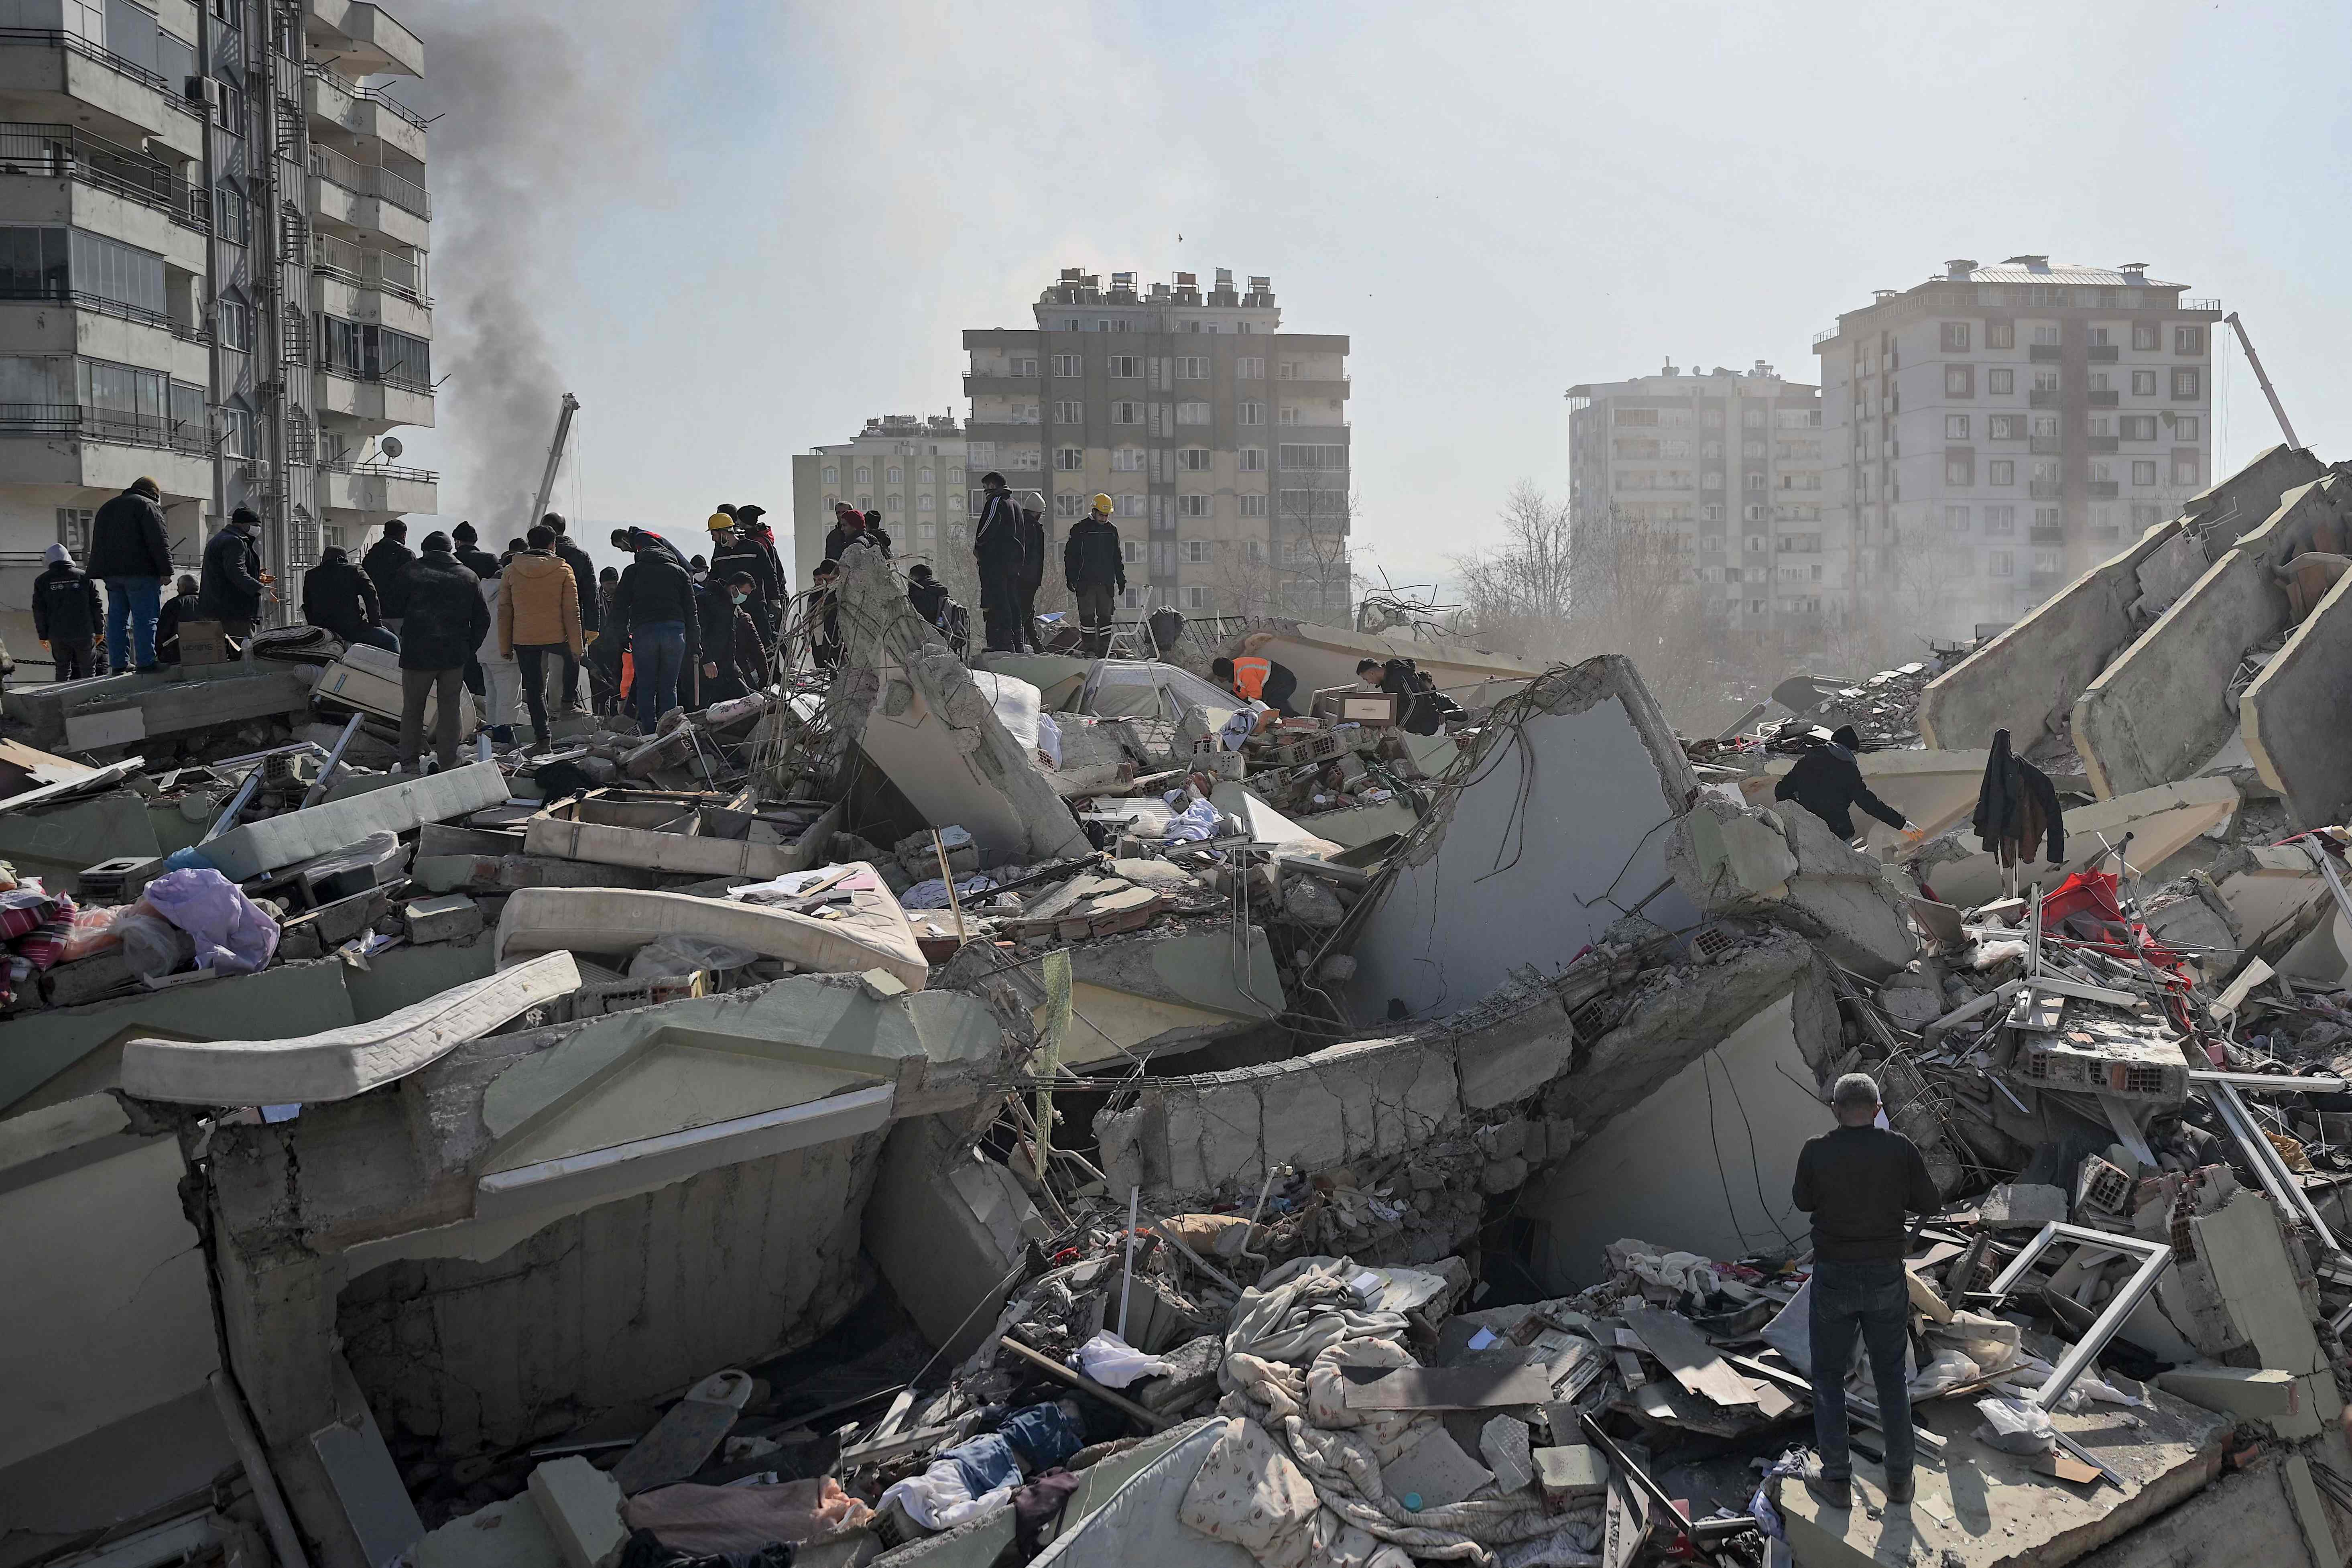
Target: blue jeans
{"points": [[1870, 1299], [658, 649], [375, 637], [132, 605]]}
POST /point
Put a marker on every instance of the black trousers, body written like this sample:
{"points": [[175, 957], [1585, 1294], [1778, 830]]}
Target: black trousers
{"points": [[1025, 627], [76, 660], [1000, 612], [532, 661]]}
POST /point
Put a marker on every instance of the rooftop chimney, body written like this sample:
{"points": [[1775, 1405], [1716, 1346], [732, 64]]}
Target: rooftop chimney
{"points": [[1957, 271], [2134, 269], [1670, 369]]}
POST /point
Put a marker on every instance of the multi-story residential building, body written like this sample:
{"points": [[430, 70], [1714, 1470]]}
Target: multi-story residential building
{"points": [[1731, 465], [909, 468], [215, 236], [1222, 440], [1996, 430]]}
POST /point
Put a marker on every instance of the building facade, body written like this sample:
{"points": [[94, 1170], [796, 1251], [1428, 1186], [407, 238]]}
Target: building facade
{"points": [[1222, 440], [216, 233], [1730, 464], [909, 468], [1997, 430]]}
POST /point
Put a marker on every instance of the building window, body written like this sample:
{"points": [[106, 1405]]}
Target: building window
{"points": [[2184, 427], [1959, 381], [2001, 471], [2000, 334], [1192, 367], [1127, 461], [2187, 381], [955, 476], [1069, 411], [1196, 505], [1128, 506], [1249, 414], [925, 504], [1955, 337], [2188, 340], [1956, 518], [1126, 367], [2143, 383], [2003, 427], [2046, 381], [2144, 472], [1131, 552], [1252, 506], [1127, 412], [1065, 504], [233, 324], [1026, 366], [1633, 416], [1249, 368], [1193, 552], [2001, 520], [864, 474], [2001, 383], [2000, 563], [832, 475], [1069, 459], [1956, 427], [1756, 481], [2146, 336], [2103, 472], [1195, 596], [1068, 365], [2138, 427], [1712, 514], [1252, 459], [1290, 414], [1960, 471], [2045, 337], [1191, 414], [237, 433], [1193, 459], [895, 476], [2184, 468]]}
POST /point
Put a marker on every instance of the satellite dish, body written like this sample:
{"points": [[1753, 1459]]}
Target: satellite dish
{"points": [[390, 446]]}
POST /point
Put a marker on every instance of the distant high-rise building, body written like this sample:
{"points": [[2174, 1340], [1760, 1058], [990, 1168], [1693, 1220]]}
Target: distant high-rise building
{"points": [[1729, 463], [1222, 440], [1996, 430], [908, 466]]}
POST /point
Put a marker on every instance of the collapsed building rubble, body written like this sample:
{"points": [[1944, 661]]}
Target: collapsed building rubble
{"points": [[1052, 1110]]}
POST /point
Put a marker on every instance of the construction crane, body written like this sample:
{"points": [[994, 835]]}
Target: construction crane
{"points": [[555, 460], [2278, 410]]}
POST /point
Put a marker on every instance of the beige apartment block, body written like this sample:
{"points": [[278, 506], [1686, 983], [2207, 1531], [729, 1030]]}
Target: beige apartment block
{"points": [[1222, 440], [1995, 431], [910, 468]]}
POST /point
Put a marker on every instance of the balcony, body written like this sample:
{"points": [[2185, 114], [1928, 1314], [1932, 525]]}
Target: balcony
{"points": [[2046, 489], [2042, 397], [2105, 444], [2041, 534], [362, 111], [372, 400], [2100, 490], [2103, 399], [2047, 445], [363, 38], [126, 98], [2045, 354], [2203, 307], [369, 196], [378, 490], [2104, 353]]}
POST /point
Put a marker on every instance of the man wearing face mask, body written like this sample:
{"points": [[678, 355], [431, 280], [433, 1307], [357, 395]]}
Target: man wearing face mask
{"points": [[234, 582], [732, 659]]}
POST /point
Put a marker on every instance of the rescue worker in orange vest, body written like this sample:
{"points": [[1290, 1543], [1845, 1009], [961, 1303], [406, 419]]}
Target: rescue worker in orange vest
{"points": [[1258, 680]]}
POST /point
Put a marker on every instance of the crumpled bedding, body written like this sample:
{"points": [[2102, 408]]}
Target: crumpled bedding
{"points": [[710, 1521], [1295, 1479]]}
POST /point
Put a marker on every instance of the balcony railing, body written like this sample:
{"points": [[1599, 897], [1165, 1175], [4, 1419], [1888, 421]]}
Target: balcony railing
{"points": [[2044, 354], [2047, 445], [2100, 490], [349, 89], [2202, 304], [73, 43], [2103, 399], [2046, 489], [400, 379], [85, 301], [2105, 444], [371, 180], [385, 270], [2043, 535], [2103, 353], [110, 425], [66, 152], [378, 470], [2042, 397]]}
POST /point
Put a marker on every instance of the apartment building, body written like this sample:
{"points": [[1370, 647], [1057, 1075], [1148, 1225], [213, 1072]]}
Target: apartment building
{"points": [[909, 468], [215, 228], [1730, 463], [1996, 430], [1222, 440]]}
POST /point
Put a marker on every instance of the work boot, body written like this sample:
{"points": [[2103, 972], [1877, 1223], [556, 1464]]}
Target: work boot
{"points": [[1901, 1490], [1831, 1492]]}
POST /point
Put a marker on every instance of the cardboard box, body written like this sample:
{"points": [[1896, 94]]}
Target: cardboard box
{"points": [[203, 642], [1349, 706]]}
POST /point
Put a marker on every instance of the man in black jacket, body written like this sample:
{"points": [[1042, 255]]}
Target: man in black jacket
{"points": [[447, 619], [1033, 577], [1096, 570], [583, 582], [234, 581], [927, 595], [65, 615], [849, 523], [734, 549], [1857, 1183], [339, 596], [1827, 782], [130, 551], [182, 607], [655, 601], [733, 657], [386, 564], [632, 541], [466, 546], [1000, 543]]}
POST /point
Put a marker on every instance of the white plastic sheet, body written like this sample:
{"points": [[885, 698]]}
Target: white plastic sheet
{"points": [[1113, 1362]]}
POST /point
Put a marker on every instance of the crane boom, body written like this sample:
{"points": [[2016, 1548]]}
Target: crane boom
{"points": [[2278, 410], [555, 460]]}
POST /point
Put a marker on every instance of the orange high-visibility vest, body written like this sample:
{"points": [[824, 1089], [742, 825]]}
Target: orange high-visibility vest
{"points": [[1250, 676]]}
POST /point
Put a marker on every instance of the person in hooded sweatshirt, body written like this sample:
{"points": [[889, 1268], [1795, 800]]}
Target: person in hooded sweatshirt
{"points": [[339, 597], [1827, 782], [386, 563], [182, 607], [539, 620], [67, 615], [447, 619]]}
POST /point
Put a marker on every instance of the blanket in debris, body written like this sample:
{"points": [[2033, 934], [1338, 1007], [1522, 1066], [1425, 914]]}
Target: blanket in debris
{"points": [[1295, 1479]]}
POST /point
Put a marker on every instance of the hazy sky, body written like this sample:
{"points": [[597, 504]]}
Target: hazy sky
{"points": [[747, 226]]}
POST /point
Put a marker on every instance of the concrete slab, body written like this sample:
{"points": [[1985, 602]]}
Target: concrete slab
{"points": [[945, 1228], [1323, 657], [1156, 991], [1934, 789], [1562, 828], [402, 975], [338, 1064], [1268, 826], [874, 934], [2290, 710], [2163, 821], [282, 840], [1978, 1506], [59, 841], [580, 1506], [1352, 826], [1786, 865], [560, 834]]}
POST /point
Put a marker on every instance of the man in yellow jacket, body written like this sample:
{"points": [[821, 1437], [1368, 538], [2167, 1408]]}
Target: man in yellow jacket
{"points": [[539, 616]]}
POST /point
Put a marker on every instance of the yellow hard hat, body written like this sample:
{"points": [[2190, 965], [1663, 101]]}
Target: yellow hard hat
{"points": [[719, 522], [1102, 503]]}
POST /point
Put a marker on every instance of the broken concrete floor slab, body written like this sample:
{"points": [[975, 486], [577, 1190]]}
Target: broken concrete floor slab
{"points": [[340, 1063], [293, 836], [1785, 865], [2163, 821], [873, 935]]}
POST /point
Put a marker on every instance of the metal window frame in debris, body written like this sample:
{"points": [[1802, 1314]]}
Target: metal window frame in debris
{"points": [[2154, 1256]]}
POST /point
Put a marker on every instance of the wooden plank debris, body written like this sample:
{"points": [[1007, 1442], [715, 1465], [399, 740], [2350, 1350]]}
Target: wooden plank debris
{"points": [[1687, 1356]]}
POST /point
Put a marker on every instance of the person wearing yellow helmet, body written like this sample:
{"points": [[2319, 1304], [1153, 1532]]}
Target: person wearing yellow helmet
{"points": [[1095, 566]]}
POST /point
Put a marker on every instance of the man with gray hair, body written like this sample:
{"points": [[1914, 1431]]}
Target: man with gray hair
{"points": [[1857, 1181]]}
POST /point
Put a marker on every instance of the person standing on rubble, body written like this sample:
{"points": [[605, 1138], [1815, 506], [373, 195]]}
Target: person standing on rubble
{"points": [[732, 658], [338, 595], [177, 609], [999, 542], [1094, 566], [132, 554], [584, 587], [733, 550], [1827, 782], [750, 520], [234, 581], [539, 620], [470, 552], [825, 615], [447, 619], [67, 615], [1857, 1181], [655, 601], [386, 564]]}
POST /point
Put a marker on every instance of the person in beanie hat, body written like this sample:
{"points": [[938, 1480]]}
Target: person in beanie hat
{"points": [[180, 607], [130, 551], [234, 581], [386, 564], [65, 615], [467, 548], [447, 619]]}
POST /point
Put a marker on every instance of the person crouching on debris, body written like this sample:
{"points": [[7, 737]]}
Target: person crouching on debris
{"points": [[1368, 672], [927, 595], [1827, 782], [1094, 568], [825, 615], [447, 618], [1256, 679], [1857, 1181], [338, 595]]}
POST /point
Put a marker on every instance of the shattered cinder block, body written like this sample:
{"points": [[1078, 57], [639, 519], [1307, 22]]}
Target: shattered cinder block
{"points": [[1785, 865], [441, 918]]}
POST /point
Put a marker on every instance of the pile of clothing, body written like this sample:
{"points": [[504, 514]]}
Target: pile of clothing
{"points": [[34, 924]]}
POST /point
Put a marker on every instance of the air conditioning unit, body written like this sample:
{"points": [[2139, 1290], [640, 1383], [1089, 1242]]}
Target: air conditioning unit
{"points": [[193, 90]]}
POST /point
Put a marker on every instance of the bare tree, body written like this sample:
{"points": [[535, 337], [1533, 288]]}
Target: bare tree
{"points": [[1311, 546]]}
